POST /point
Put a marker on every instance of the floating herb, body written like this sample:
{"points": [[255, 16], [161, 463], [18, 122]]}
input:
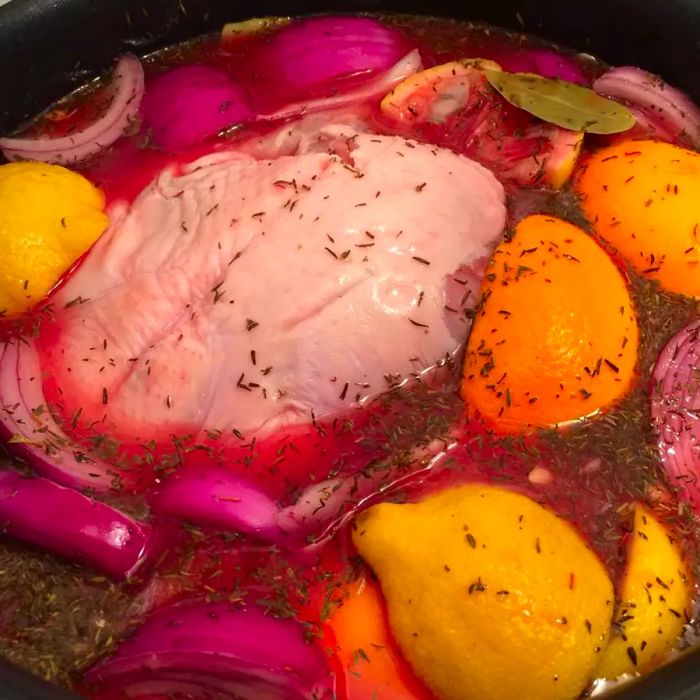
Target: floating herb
{"points": [[564, 104], [56, 618], [255, 25]]}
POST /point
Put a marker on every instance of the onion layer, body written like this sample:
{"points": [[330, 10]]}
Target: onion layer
{"points": [[31, 432], [127, 88], [666, 112], [204, 647], [314, 51], [219, 498], [324, 507], [675, 409], [377, 87], [189, 103], [66, 522]]}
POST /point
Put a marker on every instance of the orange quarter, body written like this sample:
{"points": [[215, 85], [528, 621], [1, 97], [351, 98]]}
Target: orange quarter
{"points": [[643, 198], [555, 338]]}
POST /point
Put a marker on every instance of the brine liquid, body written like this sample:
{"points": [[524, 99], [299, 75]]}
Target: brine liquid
{"points": [[56, 618]]}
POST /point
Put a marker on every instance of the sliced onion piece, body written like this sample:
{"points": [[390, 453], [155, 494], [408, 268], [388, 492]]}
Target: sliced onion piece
{"points": [[30, 431], [666, 111], [239, 652], [217, 497], [67, 523], [189, 103], [314, 51], [324, 507], [127, 87], [375, 88], [675, 409]]}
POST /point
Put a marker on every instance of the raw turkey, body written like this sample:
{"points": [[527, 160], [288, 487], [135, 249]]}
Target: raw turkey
{"points": [[247, 294]]}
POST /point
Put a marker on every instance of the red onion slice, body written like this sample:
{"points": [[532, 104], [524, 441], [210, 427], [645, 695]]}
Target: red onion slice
{"points": [[324, 507], [377, 87], [127, 86], [31, 432], [675, 409], [666, 111], [217, 497], [67, 523], [216, 646]]}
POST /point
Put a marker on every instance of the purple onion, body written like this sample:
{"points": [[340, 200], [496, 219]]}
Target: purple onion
{"points": [[29, 430], [665, 111], [675, 409], [190, 103], [377, 87], [545, 62], [311, 52], [324, 507], [217, 497], [204, 647], [67, 523]]}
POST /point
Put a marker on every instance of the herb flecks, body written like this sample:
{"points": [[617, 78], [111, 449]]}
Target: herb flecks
{"points": [[58, 619]]}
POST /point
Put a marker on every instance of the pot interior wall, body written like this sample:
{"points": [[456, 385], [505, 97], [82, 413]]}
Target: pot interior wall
{"points": [[49, 46]]}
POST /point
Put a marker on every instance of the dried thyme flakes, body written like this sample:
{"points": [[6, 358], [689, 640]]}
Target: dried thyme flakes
{"points": [[56, 618], [661, 314]]}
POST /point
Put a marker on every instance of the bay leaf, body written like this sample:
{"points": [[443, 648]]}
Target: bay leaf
{"points": [[565, 104]]}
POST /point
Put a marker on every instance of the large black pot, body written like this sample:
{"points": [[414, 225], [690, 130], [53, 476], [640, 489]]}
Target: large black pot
{"points": [[49, 46]]}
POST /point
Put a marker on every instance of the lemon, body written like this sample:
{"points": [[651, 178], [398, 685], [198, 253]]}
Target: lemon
{"points": [[435, 94], [49, 217], [566, 149], [489, 594], [655, 595]]}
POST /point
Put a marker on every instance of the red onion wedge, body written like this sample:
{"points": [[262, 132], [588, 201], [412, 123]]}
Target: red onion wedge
{"points": [[324, 507], [127, 88], [376, 87], [675, 409], [544, 62], [70, 524], [189, 103], [315, 51], [668, 113], [217, 497], [31, 432], [210, 648]]}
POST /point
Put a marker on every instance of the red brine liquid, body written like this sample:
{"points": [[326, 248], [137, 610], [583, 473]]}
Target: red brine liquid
{"points": [[406, 444]]}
